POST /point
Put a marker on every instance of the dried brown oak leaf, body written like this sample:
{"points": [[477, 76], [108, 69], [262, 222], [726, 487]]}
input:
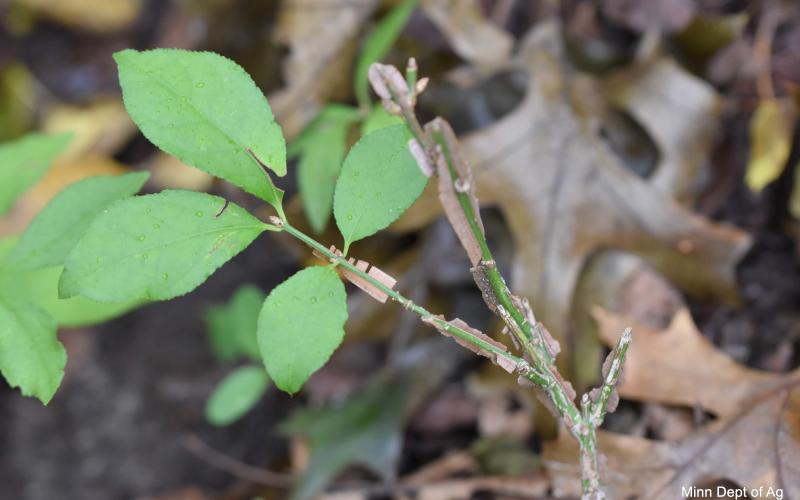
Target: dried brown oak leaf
{"points": [[755, 442], [471, 34], [565, 196], [678, 366], [680, 113]]}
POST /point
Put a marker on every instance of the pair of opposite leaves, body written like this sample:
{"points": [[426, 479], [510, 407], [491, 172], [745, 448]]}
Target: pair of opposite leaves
{"points": [[207, 111]]}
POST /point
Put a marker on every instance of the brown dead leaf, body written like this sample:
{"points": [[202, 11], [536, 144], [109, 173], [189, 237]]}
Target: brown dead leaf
{"points": [[505, 408], [755, 442], [668, 423], [471, 34], [321, 37], [98, 16], [679, 111], [756, 448], [679, 366], [600, 284], [100, 128], [169, 172], [648, 298], [565, 196]]}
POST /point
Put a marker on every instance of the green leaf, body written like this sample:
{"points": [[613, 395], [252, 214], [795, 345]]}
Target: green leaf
{"points": [[7, 245], [379, 181], [24, 161], [156, 247], [331, 112], [301, 324], [232, 327], [378, 43], [205, 110], [319, 168], [59, 226], [366, 429], [378, 118], [40, 287], [31, 357], [237, 394]]}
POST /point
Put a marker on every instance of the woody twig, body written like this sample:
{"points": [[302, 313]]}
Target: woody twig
{"points": [[439, 147]]}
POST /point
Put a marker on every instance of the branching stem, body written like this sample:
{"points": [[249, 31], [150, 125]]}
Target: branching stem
{"points": [[515, 319], [522, 367], [440, 146], [516, 313]]}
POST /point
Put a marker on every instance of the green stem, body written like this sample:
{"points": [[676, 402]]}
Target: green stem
{"points": [[590, 476], [551, 382], [617, 360], [496, 281], [507, 308], [523, 366], [582, 424], [411, 76], [589, 460]]}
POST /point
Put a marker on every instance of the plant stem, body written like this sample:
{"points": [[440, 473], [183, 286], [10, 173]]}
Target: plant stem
{"points": [[496, 280], [440, 144], [615, 362], [590, 466], [554, 385], [536, 346], [522, 366]]}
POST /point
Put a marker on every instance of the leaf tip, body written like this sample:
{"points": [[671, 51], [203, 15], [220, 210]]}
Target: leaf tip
{"points": [[43, 396], [288, 389], [269, 162]]}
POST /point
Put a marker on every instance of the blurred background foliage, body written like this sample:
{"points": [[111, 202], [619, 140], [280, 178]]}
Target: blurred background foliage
{"points": [[636, 161]]}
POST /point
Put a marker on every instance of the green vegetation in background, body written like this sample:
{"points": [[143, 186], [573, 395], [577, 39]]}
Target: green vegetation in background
{"points": [[31, 356], [322, 144]]}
